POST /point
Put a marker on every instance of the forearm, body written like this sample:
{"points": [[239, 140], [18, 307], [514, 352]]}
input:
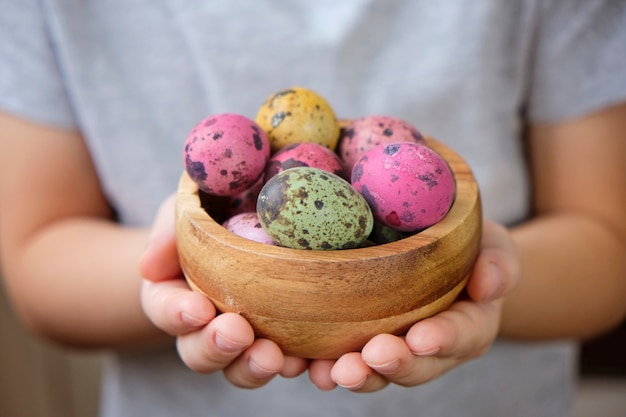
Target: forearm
{"points": [[75, 282], [573, 279]]}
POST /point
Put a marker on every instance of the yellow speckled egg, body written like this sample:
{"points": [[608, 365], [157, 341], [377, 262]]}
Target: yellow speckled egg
{"points": [[296, 115]]}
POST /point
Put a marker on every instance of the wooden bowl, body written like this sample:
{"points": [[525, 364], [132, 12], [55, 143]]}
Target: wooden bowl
{"points": [[321, 304]]}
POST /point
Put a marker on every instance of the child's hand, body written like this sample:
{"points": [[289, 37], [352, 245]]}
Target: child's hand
{"points": [[435, 345], [206, 342]]}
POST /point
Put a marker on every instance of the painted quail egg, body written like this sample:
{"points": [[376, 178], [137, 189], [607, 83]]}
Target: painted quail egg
{"points": [[366, 132], [408, 186], [305, 154], [297, 115], [225, 154], [308, 208], [247, 226]]}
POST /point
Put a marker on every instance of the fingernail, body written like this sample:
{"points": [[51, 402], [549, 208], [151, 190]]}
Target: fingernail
{"points": [[226, 345], [386, 368], [356, 385], [427, 352], [191, 321], [495, 281], [260, 372]]}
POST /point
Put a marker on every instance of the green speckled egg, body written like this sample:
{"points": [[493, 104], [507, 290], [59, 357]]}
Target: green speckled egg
{"points": [[308, 208]]}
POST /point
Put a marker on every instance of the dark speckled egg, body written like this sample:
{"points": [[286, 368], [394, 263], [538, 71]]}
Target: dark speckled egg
{"points": [[308, 208], [382, 234], [225, 154]]}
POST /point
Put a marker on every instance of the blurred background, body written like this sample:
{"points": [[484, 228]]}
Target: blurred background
{"points": [[40, 380]]}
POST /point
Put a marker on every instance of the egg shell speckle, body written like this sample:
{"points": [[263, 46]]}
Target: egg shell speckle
{"points": [[308, 208], [408, 186], [226, 153], [247, 226], [305, 154], [245, 201], [297, 115], [366, 132]]}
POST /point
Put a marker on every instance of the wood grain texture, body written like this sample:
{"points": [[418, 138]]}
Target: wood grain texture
{"points": [[321, 304]]}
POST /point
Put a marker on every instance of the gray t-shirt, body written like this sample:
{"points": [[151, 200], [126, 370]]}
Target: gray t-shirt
{"points": [[135, 77]]}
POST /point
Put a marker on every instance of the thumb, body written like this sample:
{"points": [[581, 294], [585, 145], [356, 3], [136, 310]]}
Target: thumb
{"points": [[497, 270], [160, 258]]}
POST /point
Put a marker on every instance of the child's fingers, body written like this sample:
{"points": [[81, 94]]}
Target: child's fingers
{"points": [[293, 367], [391, 357], [256, 366], [440, 343], [430, 348], [319, 374], [466, 330], [351, 372], [216, 345], [174, 308]]}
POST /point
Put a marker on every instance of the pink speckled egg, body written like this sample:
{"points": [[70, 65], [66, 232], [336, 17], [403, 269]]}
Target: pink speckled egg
{"points": [[408, 186], [369, 131], [225, 154], [304, 154], [247, 226]]}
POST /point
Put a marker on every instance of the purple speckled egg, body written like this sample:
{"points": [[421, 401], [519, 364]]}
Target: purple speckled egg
{"points": [[408, 186], [369, 131], [247, 226], [304, 154], [226, 153]]}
